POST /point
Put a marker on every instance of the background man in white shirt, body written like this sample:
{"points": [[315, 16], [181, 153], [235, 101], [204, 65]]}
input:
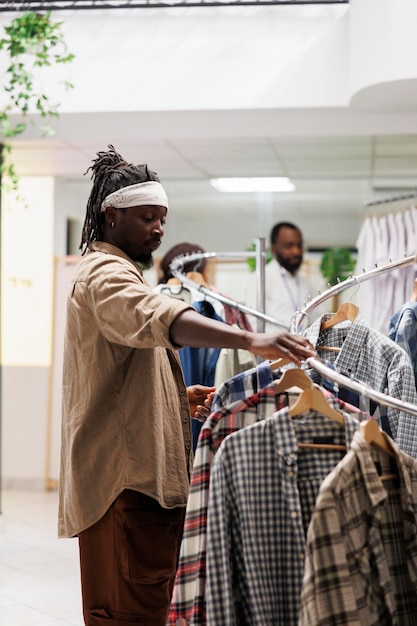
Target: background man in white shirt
{"points": [[286, 288]]}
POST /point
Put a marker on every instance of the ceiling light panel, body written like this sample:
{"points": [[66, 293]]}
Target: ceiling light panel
{"points": [[253, 185]]}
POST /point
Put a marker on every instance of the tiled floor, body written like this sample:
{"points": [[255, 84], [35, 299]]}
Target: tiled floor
{"points": [[39, 573]]}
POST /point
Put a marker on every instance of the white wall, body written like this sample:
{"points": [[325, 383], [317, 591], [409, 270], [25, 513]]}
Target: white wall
{"points": [[27, 275], [382, 51], [24, 430]]}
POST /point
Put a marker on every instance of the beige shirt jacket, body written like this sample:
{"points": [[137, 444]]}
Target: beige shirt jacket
{"points": [[125, 411]]}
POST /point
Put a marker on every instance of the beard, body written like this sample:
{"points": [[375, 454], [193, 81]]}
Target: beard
{"points": [[145, 261], [291, 265]]}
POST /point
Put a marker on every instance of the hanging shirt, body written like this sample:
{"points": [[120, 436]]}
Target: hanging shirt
{"points": [[199, 364], [365, 261], [231, 362], [262, 493], [383, 285], [243, 385], [381, 240], [188, 598], [372, 358], [233, 315], [361, 556], [402, 285], [193, 295], [403, 330], [410, 248]]}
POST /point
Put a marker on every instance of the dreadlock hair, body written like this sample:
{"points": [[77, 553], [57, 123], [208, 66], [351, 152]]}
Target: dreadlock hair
{"points": [[110, 172]]}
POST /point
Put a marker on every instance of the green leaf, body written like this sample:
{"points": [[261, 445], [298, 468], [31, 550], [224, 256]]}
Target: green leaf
{"points": [[336, 263], [39, 38], [252, 262]]}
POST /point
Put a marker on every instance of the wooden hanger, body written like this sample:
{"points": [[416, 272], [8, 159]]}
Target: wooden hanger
{"points": [[274, 365], [313, 399], [294, 377], [373, 435], [346, 311]]}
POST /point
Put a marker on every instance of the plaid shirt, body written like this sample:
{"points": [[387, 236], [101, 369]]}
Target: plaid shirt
{"points": [[361, 560], [244, 384], [371, 357], [188, 599], [262, 493]]}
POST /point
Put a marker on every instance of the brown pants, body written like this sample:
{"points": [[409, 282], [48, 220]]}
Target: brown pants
{"points": [[128, 562]]}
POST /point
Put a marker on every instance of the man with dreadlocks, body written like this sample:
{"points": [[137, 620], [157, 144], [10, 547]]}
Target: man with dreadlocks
{"points": [[126, 447]]}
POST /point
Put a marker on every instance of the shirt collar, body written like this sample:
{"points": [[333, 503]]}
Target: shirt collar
{"points": [[396, 318], [286, 442], [407, 473], [356, 335], [108, 248]]}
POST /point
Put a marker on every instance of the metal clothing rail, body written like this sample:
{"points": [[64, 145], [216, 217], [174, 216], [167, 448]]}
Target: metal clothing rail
{"points": [[352, 281], [360, 388], [178, 263], [404, 196]]}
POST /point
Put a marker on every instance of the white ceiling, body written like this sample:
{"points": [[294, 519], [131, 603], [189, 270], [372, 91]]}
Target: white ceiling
{"points": [[333, 175], [382, 160], [338, 157]]}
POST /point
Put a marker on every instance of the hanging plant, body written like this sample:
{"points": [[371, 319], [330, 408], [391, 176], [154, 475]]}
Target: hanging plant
{"points": [[31, 41]]}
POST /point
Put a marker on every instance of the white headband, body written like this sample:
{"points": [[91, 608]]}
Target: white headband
{"points": [[140, 194]]}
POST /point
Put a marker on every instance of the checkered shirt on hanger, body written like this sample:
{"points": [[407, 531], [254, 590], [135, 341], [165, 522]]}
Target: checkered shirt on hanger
{"points": [[361, 556]]}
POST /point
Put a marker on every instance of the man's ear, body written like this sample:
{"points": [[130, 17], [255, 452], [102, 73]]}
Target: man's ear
{"points": [[110, 213]]}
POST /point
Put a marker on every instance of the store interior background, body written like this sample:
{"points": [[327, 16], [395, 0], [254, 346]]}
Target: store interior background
{"points": [[323, 94]]}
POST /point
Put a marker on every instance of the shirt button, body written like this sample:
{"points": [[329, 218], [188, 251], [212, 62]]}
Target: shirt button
{"points": [[185, 420], [182, 393], [290, 474], [294, 514], [188, 446]]}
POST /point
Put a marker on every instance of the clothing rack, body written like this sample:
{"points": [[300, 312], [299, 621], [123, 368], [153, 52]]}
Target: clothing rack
{"points": [[398, 198], [178, 263], [352, 281], [359, 387]]}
